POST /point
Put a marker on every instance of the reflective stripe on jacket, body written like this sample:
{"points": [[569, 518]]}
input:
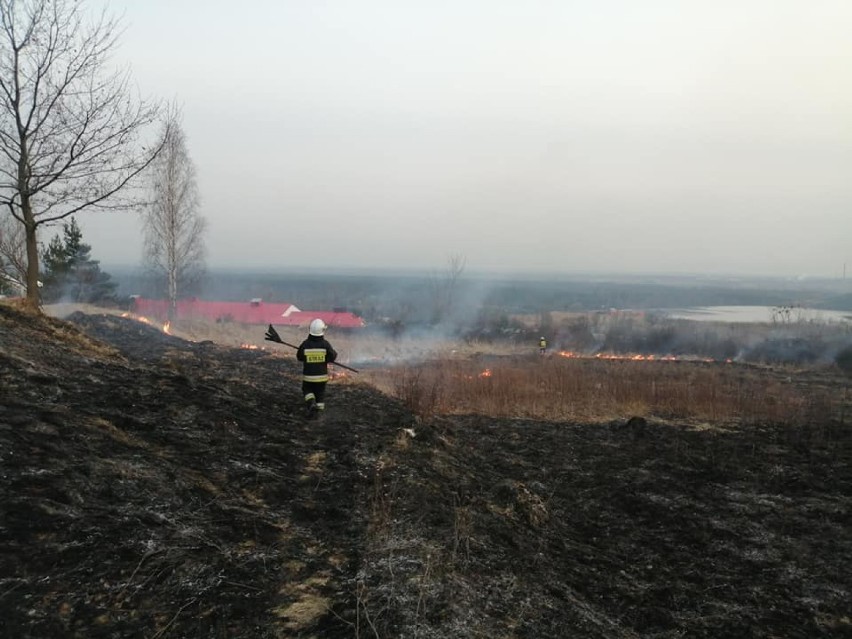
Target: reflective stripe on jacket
{"points": [[317, 354]]}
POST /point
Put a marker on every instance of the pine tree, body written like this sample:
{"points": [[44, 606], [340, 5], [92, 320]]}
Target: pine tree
{"points": [[70, 274], [54, 262]]}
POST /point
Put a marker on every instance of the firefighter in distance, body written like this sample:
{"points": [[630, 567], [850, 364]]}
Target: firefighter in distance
{"points": [[316, 353]]}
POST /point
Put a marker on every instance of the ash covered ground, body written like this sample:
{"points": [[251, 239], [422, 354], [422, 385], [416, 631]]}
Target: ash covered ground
{"points": [[154, 487]]}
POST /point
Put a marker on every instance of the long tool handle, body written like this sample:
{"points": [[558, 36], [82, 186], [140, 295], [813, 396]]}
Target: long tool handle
{"points": [[273, 336]]}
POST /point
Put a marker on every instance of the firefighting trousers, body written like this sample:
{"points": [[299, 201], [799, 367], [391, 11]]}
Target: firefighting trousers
{"points": [[315, 391]]}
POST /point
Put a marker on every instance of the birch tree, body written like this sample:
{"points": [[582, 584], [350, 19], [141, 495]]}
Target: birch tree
{"points": [[174, 228], [70, 124]]}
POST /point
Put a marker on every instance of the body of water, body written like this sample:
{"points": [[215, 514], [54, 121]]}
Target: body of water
{"points": [[757, 314]]}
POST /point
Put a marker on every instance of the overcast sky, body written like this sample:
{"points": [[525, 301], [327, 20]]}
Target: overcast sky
{"points": [[653, 136]]}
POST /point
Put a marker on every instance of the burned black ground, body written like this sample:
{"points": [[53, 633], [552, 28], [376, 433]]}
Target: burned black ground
{"points": [[153, 487]]}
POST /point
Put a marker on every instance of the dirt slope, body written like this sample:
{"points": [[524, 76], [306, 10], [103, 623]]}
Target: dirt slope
{"points": [[153, 487]]}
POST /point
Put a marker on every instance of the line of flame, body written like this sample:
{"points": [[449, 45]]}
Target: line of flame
{"points": [[637, 357], [166, 328]]}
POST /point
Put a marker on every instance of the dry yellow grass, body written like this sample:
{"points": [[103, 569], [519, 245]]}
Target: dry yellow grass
{"points": [[557, 388]]}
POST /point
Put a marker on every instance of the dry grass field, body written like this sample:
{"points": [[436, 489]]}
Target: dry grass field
{"points": [[577, 389]]}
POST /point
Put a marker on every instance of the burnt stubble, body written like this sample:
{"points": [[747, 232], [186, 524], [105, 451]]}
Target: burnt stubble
{"points": [[157, 487]]}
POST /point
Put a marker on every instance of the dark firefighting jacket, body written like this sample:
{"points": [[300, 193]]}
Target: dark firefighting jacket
{"points": [[317, 354]]}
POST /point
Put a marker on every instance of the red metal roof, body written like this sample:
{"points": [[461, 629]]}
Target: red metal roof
{"points": [[254, 312], [334, 319]]}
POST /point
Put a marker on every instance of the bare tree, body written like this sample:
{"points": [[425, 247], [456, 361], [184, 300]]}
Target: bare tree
{"points": [[70, 126], [174, 229], [13, 254], [444, 285]]}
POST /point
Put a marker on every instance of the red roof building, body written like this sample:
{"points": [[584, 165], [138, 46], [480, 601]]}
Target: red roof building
{"points": [[253, 312]]}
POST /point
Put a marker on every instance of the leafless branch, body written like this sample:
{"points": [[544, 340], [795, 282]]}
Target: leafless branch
{"points": [[13, 257]]}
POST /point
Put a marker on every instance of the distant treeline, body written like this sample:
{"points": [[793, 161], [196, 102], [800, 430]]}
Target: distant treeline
{"points": [[411, 296], [585, 296]]}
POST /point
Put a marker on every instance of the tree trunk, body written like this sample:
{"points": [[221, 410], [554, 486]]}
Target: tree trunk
{"points": [[173, 293], [33, 299]]}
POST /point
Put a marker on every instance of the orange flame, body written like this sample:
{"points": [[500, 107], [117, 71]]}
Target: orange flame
{"points": [[634, 357], [166, 328], [251, 347], [485, 373]]}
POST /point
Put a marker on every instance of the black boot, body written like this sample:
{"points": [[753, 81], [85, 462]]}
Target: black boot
{"points": [[311, 409]]}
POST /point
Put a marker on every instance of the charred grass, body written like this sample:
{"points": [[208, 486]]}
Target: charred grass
{"points": [[570, 497], [159, 487]]}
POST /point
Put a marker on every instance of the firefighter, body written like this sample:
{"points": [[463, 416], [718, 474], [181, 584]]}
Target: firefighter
{"points": [[317, 354], [542, 346]]}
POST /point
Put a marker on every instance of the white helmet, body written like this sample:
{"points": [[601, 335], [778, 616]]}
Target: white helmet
{"points": [[317, 327]]}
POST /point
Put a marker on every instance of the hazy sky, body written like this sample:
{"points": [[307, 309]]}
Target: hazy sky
{"points": [[699, 136]]}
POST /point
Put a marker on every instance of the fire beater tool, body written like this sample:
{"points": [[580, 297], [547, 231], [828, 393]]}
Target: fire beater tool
{"points": [[273, 336]]}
